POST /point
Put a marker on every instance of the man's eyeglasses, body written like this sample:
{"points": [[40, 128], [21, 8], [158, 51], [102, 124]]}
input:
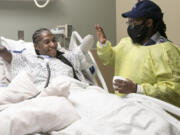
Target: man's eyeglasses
{"points": [[133, 22], [130, 23]]}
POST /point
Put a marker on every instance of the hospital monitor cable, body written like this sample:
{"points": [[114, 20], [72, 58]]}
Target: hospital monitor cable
{"points": [[43, 5]]}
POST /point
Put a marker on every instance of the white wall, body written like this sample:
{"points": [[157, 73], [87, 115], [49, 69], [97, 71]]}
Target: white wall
{"points": [[82, 14], [171, 12]]}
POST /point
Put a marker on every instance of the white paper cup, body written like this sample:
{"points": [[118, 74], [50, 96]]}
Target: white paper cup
{"points": [[116, 78]]}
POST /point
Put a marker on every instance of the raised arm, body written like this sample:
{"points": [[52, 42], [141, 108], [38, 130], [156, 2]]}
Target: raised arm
{"points": [[100, 34], [5, 54]]}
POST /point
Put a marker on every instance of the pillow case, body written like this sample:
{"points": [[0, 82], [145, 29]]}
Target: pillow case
{"points": [[17, 45]]}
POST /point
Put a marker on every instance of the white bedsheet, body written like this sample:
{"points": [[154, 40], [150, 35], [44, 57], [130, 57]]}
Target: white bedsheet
{"points": [[106, 114]]}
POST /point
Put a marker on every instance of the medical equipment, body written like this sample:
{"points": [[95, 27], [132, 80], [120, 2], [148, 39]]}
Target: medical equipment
{"points": [[65, 30], [63, 34]]}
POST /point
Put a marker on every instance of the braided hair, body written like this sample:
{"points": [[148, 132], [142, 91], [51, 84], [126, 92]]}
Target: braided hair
{"points": [[160, 26], [36, 36]]}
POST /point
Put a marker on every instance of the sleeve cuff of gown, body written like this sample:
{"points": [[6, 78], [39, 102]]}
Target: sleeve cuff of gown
{"points": [[102, 44], [139, 89]]}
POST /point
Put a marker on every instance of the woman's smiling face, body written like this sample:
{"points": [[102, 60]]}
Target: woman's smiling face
{"points": [[47, 44]]}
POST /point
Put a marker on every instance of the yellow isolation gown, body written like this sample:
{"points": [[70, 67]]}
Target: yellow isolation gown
{"points": [[156, 68]]}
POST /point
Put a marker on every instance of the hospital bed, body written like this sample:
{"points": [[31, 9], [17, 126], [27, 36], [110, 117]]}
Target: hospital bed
{"points": [[91, 110]]}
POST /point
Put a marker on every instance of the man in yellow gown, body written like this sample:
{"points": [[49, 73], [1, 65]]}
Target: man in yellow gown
{"points": [[148, 61]]}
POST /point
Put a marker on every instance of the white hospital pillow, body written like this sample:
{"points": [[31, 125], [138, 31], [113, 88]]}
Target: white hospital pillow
{"points": [[17, 45]]}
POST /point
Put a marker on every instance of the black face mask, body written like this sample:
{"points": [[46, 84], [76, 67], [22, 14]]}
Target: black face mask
{"points": [[137, 33]]}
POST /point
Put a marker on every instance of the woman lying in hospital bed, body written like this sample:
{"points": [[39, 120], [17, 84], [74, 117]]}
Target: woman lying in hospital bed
{"points": [[29, 109], [48, 62]]}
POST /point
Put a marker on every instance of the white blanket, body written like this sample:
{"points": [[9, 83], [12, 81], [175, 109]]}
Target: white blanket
{"points": [[101, 113], [25, 110], [107, 114]]}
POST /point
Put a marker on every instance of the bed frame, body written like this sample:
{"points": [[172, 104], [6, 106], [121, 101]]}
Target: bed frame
{"points": [[75, 38]]}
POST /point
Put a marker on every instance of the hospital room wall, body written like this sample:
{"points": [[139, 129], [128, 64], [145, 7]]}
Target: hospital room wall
{"points": [[81, 14], [171, 12]]}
